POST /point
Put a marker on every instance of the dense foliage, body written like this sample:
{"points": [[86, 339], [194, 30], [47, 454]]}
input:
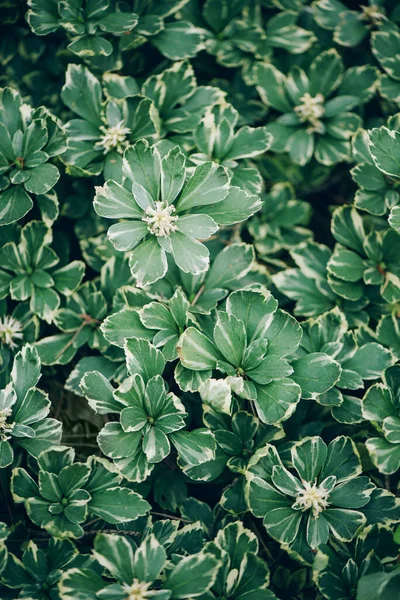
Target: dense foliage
{"points": [[199, 299]]}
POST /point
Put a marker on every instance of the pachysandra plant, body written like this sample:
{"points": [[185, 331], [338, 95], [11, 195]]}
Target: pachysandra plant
{"points": [[384, 46], [79, 322], [37, 573], [163, 321], [97, 140], [150, 418], [324, 498], [351, 27], [28, 271], [378, 188], [252, 340], [339, 566], [166, 213], [238, 437], [88, 25], [175, 39], [384, 144], [238, 38], [24, 409], [381, 406], [360, 362], [307, 284], [167, 322], [67, 492], [316, 107], [363, 258], [242, 572], [18, 327], [216, 140], [29, 139], [180, 101], [141, 572]]}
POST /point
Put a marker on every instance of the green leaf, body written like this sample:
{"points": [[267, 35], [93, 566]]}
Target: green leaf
{"points": [[342, 460], [384, 146], [271, 367], [125, 236], [354, 493], [378, 585], [82, 93], [42, 179], [118, 22], [80, 584], [143, 358], [317, 531], [271, 84], [67, 279], [56, 349], [194, 447], [370, 360], [99, 393], [308, 457], [196, 351], [142, 165], [148, 262], [150, 558], [301, 146], [230, 338], [155, 445], [192, 576], [6, 454], [172, 174], [316, 373], [277, 401], [384, 455], [233, 262], [344, 524], [115, 554], [394, 218], [190, 255], [115, 443], [237, 206], [89, 46], [15, 204], [125, 324], [346, 265], [326, 72], [249, 142], [25, 372], [118, 505], [208, 185], [383, 507], [178, 40], [113, 201]]}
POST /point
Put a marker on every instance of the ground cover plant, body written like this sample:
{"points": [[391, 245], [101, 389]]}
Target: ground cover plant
{"points": [[200, 299]]}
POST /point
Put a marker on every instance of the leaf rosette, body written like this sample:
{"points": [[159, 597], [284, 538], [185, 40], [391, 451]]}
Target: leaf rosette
{"points": [[166, 213]]}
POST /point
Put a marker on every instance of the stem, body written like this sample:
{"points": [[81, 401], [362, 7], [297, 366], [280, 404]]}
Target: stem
{"points": [[197, 296], [252, 408], [260, 539], [160, 514], [71, 341]]}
